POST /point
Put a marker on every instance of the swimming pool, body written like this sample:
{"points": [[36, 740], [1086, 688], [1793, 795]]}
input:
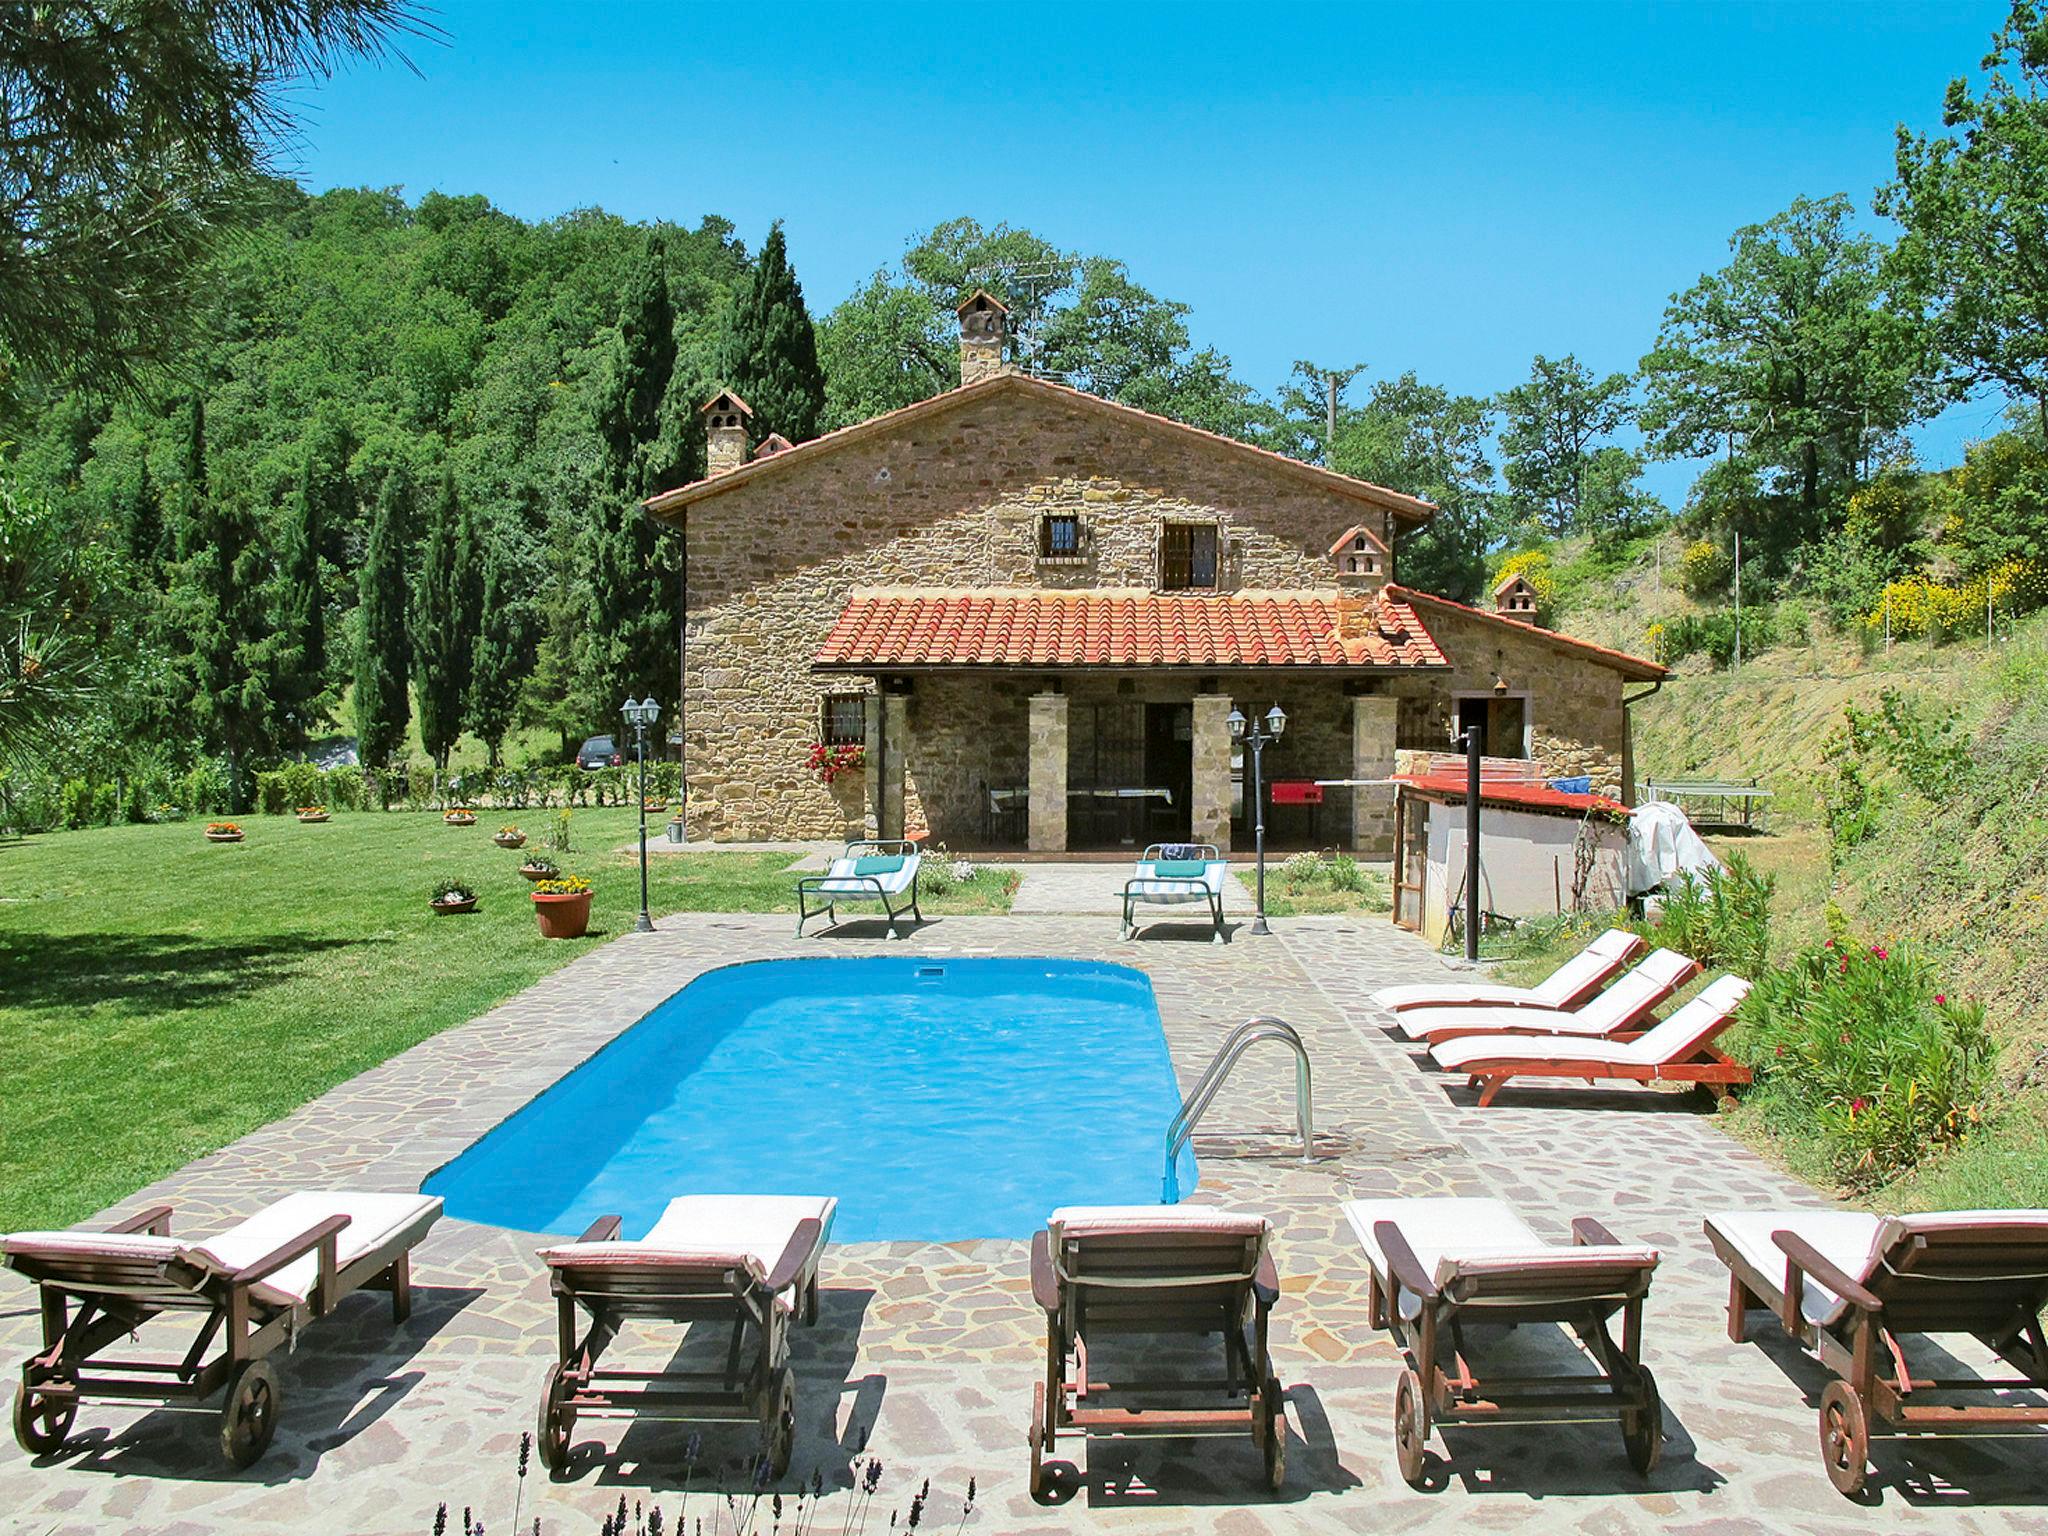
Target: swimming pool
{"points": [[937, 1100]]}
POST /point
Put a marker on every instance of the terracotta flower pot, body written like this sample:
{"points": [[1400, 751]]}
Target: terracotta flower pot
{"points": [[223, 837], [509, 842], [562, 916], [449, 908], [313, 821], [459, 821], [536, 874]]}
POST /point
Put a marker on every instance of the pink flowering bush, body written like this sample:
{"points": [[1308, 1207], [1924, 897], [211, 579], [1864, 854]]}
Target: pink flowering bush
{"points": [[1856, 1041]]}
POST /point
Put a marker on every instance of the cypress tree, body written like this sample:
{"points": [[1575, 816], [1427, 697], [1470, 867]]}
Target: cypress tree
{"points": [[143, 530], [217, 600], [297, 658], [444, 621], [771, 357], [503, 655], [628, 645], [383, 656]]}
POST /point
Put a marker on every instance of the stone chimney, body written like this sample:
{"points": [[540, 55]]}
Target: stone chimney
{"points": [[725, 432], [983, 324], [1514, 598]]}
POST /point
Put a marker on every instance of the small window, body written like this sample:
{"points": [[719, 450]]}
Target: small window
{"points": [[845, 719], [1188, 556], [1059, 536]]}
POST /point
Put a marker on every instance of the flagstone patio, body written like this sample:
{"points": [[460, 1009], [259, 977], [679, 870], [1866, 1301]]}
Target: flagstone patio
{"points": [[925, 1354]]}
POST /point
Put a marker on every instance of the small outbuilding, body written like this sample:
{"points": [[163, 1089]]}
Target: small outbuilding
{"points": [[1542, 849]]}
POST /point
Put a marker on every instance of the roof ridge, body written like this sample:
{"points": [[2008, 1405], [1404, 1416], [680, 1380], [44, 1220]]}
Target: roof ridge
{"points": [[1398, 502]]}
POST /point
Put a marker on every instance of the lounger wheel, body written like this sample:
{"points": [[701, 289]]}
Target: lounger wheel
{"points": [[42, 1419], [557, 1421], [778, 1424], [1410, 1438], [1273, 1433], [1844, 1438], [1041, 1439], [249, 1416], [1642, 1429]]}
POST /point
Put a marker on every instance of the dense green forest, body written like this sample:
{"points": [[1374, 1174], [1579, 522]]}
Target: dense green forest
{"points": [[382, 482]]}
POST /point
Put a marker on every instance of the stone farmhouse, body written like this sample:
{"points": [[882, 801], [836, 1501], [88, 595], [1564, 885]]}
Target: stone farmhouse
{"points": [[1018, 616]]}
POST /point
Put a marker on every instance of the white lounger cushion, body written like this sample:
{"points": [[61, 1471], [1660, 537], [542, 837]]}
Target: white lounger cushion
{"points": [[1855, 1242], [746, 1232], [1177, 890], [375, 1221], [841, 882], [1452, 1236], [1599, 958], [1634, 995], [1112, 1220], [1673, 1040]]}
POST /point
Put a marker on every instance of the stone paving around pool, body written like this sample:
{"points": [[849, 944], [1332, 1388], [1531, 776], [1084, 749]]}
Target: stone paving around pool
{"points": [[926, 1354]]}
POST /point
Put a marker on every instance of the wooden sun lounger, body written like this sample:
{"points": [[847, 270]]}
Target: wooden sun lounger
{"points": [[255, 1285], [746, 1262], [1150, 888], [1627, 1007], [1164, 1270], [1848, 1285], [895, 888], [1567, 987], [1679, 1050], [1436, 1265]]}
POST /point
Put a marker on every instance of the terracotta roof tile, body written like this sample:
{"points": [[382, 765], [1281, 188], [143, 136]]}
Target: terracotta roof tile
{"points": [[942, 627]]}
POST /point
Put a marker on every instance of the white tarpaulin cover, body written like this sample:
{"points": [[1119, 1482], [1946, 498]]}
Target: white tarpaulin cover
{"points": [[1662, 845]]}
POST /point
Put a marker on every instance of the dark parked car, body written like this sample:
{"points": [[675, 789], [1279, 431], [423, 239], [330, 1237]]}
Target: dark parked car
{"points": [[600, 752]]}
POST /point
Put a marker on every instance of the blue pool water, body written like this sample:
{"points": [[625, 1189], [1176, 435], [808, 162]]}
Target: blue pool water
{"points": [[937, 1100]]}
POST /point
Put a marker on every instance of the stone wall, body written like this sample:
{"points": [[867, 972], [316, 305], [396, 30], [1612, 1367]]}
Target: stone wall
{"points": [[1575, 713], [953, 500], [949, 501]]}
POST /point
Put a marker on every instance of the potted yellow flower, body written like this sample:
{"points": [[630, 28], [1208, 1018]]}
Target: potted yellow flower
{"points": [[563, 906]]}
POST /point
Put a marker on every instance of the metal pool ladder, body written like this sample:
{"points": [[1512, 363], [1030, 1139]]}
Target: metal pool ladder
{"points": [[1241, 1039]]}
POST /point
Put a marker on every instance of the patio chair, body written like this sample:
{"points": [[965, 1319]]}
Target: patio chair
{"points": [[1438, 1265], [1847, 1285], [253, 1287], [1184, 1271], [868, 871], [747, 1262], [1565, 988], [1625, 1007], [1679, 1050], [1177, 874]]}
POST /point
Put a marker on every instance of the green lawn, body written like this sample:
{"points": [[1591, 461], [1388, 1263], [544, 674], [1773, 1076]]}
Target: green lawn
{"points": [[160, 995]]}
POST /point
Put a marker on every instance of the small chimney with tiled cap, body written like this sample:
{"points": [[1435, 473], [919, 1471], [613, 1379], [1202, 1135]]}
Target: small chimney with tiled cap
{"points": [[725, 432], [984, 322]]}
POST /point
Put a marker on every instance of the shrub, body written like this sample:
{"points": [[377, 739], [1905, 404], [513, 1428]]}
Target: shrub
{"points": [[1854, 1043], [1919, 605], [84, 804], [1703, 568], [1713, 634], [203, 790], [345, 788], [1722, 920]]}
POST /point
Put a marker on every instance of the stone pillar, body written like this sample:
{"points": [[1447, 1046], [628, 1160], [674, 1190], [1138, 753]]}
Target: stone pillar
{"points": [[1373, 719], [894, 709], [1048, 780], [1209, 800]]}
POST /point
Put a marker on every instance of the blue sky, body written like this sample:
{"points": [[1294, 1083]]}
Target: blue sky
{"points": [[1448, 189]]}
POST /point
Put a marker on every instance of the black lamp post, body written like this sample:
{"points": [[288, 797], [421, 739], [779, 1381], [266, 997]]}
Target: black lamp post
{"points": [[640, 714], [1258, 735]]}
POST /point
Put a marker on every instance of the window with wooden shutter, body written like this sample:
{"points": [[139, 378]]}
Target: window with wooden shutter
{"points": [[1187, 556]]}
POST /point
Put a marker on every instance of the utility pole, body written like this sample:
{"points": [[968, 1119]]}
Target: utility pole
{"points": [[1738, 600]]}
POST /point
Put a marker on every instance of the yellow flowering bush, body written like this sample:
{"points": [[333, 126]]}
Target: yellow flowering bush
{"points": [[1702, 568], [1533, 566], [1919, 605]]}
